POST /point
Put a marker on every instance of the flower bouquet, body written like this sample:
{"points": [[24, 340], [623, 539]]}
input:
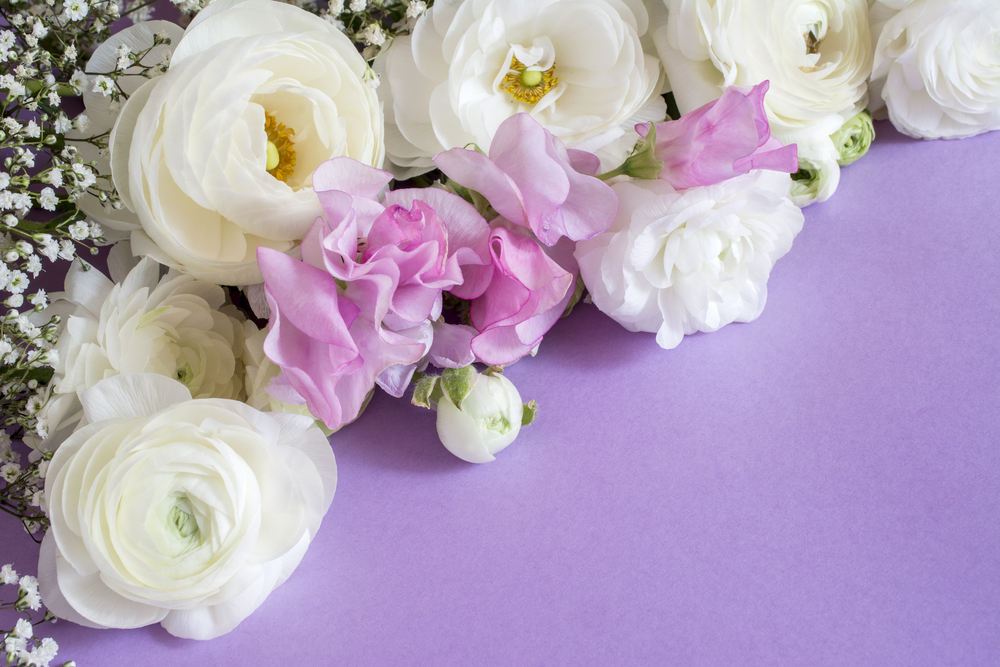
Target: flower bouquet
{"points": [[306, 205]]}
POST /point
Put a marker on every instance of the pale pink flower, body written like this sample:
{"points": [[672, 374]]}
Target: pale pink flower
{"points": [[532, 179], [720, 140], [370, 282]]}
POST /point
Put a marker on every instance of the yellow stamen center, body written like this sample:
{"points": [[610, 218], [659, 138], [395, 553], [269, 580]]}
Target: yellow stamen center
{"points": [[528, 85], [280, 150]]}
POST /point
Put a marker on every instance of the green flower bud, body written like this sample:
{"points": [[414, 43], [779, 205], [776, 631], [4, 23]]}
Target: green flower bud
{"points": [[853, 139]]}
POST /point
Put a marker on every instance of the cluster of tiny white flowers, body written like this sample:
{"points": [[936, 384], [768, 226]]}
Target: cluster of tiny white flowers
{"points": [[20, 645], [373, 24]]}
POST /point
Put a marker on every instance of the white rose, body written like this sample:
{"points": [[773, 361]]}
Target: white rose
{"points": [[815, 53], [216, 156], [478, 420], [183, 512], [680, 263], [577, 66], [937, 67], [171, 326]]}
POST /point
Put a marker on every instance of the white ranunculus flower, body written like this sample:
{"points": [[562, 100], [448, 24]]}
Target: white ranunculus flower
{"points": [[486, 420], [577, 66], [216, 156], [937, 67], [815, 53], [176, 511], [680, 263], [170, 326]]}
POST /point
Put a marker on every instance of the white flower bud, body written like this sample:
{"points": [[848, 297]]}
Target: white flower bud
{"points": [[484, 421]]}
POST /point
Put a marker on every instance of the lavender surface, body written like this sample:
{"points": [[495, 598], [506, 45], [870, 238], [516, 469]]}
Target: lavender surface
{"points": [[819, 487]]}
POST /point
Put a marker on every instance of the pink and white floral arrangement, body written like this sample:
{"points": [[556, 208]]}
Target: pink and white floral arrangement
{"points": [[309, 204]]}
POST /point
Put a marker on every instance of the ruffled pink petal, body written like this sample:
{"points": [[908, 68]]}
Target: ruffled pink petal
{"points": [[348, 175]]}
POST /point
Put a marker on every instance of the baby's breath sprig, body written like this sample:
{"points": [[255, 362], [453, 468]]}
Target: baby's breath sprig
{"points": [[374, 24], [20, 645]]}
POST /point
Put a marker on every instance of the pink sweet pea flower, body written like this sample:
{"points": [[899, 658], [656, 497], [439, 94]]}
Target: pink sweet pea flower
{"points": [[721, 140], [352, 313], [529, 292], [532, 180]]}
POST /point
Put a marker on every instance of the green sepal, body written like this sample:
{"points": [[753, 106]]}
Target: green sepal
{"points": [[643, 162], [457, 383], [530, 412], [577, 295], [424, 391]]}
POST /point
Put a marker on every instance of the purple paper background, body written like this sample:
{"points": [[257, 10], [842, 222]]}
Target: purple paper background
{"points": [[820, 487]]}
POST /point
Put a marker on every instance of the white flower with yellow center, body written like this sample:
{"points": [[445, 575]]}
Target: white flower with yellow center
{"points": [[577, 66], [216, 156]]}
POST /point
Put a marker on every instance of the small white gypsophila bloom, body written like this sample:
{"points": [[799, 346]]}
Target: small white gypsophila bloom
{"points": [[75, 10], [44, 653], [62, 124], [334, 8], [14, 301], [47, 199], [43, 468], [70, 54], [103, 85], [4, 179], [358, 6], [31, 130], [8, 575], [49, 248], [33, 266], [22, 200], [29, 588], [38, 497], [415, 8], [67, 250], [124, 59], [10, 471], [23, 629], [9, 124], [28, 159], [18, 282], [372, 35], [79, 80], [53, 98], [55, 177], [81, 122], [11, 256], [40, 298], [86, 175], [96, 231], [79, 230]]}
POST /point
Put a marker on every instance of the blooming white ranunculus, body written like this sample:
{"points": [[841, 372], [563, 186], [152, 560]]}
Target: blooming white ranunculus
{"points": [[176, 511], [477, 414], [216, 156], [937, 67], [679, 263], [577, 66], [171, 326], [815, 53]]}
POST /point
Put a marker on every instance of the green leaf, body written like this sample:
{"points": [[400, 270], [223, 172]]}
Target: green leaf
{"points": [[530, 412]]}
